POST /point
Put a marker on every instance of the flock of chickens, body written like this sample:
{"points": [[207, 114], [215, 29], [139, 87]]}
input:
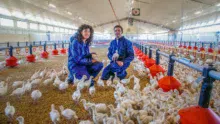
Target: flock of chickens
{"points": [[148, 105]]}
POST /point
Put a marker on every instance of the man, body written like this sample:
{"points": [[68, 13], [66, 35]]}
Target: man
{"points": [[120, 54]]}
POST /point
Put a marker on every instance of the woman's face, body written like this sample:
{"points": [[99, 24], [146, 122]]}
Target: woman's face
{"points": [[86, 33]]}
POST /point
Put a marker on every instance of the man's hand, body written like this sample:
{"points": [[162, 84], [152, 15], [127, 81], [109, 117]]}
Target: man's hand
{"points": [[120, 63], [115, 56]]}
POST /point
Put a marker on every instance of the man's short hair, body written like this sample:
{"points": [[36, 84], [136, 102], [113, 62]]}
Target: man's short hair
{"points": [[118, 26]]}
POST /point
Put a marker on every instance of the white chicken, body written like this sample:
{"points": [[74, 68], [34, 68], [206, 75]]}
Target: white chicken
{"points": [[28, 86], [20, 120], [35, 75], [19, 91], [35, 95], [100, 82], [57, 82], [87, 83], [159, 75], [76, 96], [101, 108], [21, 61], [126, 81], [43, 73], [76, 80], [68, 113], [53, 74], [9, 111], [109, 81], [3, 89], [48, 81], [63, 86], [136, 84], [2, 84], [92, 90], [36, 82], [17, 84], [97, 117], [54, 114], [120, 87], [81, 84], [86, 122], [2, 65]]}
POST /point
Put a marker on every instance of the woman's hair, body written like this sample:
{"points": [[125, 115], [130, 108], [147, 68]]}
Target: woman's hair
{"points": [[79, 35]]}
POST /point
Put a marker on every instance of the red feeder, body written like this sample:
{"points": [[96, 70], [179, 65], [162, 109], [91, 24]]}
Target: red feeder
{"points": [[144, 58], [137, 52], [30, 58], [189, 47], [168, 83], [63, 51], [11, 61], [198, 115], [202, 49], [156, 69], [195, 48], [210, 50], [140, 55], [149, 62], [55, 52], [44, 54]]}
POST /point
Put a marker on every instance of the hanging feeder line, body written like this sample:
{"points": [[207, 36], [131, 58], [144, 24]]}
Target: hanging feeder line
{"points": [[113, 10], [27, 44], [209, 75], [201, 50]]}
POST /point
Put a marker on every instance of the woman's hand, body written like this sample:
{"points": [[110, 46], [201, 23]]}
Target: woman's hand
{"points": [[94, 60], [94, 55]]}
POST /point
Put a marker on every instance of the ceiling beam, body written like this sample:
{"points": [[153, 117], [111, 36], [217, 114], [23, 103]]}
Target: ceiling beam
{"points": [[156, 24], [201, 2], [137, 20], [110, 22], [142, 1]]}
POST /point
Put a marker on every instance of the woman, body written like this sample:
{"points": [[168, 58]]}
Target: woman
{"points": [[80, 60]]}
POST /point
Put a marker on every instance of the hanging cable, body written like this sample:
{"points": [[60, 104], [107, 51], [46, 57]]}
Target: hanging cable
{"points": [[114, 12]]}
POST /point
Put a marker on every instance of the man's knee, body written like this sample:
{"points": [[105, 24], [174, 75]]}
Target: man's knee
{"points": [[122, 74]]}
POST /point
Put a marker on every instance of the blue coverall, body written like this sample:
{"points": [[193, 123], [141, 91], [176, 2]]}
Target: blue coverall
{"points": [[126, 55], [80, 61]]}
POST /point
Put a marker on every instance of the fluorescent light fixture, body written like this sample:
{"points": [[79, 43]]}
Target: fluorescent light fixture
{"points": [[49, 28], [174, 21], [4, 11], [47, 21], [218, 4], [30, 17], [69, 13], [42, 27], [33, 26], [52, 5], [185, 17], [198, 12], [18, 14], [39, 19], [7, 22], [56, 29], [21, 24]]}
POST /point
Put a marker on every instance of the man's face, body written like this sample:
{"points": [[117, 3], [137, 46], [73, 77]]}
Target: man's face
{"points": [[118, 32]]}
